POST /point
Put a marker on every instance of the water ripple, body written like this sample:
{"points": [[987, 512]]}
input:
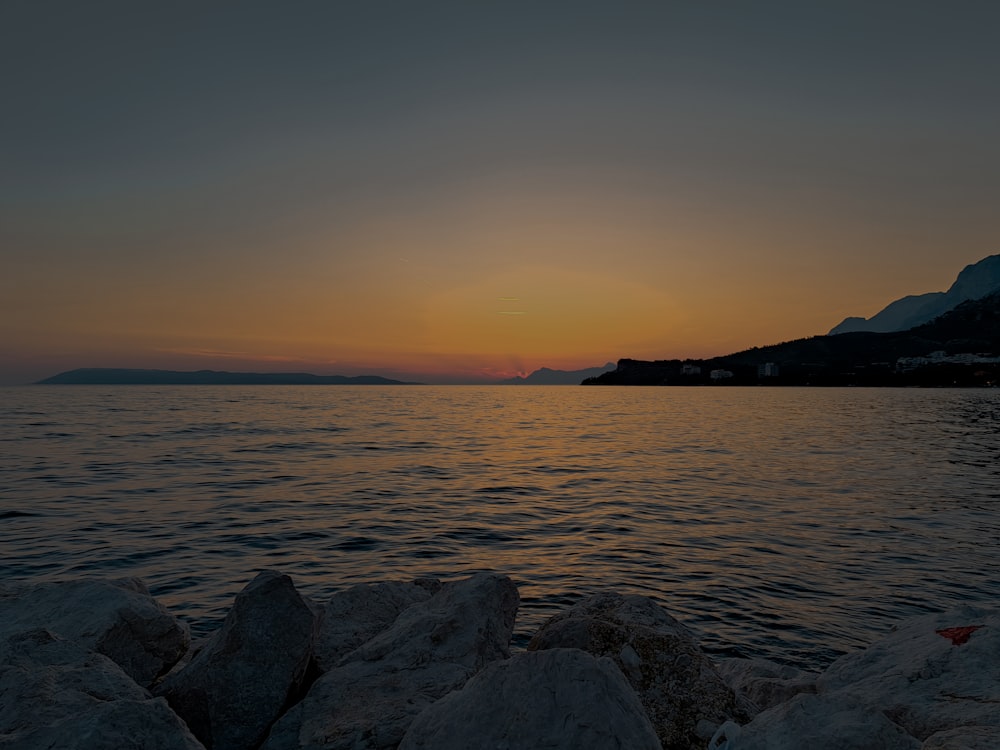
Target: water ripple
{"points": [[789, 523]]}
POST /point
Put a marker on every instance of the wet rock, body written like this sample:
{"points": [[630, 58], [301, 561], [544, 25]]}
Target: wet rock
{"points": [[765, 683], [239, 684], [55, 694], [837, 722], [117, 618], [679, 687], [369, 700], [922, 679], [557, 699], [358, 614]]}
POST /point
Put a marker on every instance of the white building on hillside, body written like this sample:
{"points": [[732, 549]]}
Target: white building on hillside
{"points": [[767, 370]]}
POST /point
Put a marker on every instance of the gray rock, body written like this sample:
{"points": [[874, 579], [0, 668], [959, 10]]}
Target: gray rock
{"points": [[921, 680], [765, 683], [239, 684], [116, 618], [358, 614], [818, 722], [683, 694], [557, 699], [45, 678], [55, 694], [149, 725], [432, 648], [964, 738]]}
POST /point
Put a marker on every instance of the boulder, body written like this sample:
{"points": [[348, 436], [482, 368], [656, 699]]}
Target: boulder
{"points": [[964, 738], [117, 618], [369, 700], [361, 612], [57, 695], [239, 684], [765, 683], [931, 674], [45, 678], [559, 699], [820, 722], [149, 725], [683, 694]]}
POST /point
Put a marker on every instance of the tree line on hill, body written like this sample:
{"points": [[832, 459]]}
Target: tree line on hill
{"points": [[959, 348]]}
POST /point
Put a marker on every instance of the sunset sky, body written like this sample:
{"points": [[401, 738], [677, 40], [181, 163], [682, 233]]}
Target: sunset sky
{"points": [[470, 190]]}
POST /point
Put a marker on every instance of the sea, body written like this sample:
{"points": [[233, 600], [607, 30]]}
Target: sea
{"points": [[794, 524]]}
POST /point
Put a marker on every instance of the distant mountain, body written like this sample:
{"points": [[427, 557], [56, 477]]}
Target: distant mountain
{"points": [[545, 376], [115, 376], [961, 347], [974, 282]]}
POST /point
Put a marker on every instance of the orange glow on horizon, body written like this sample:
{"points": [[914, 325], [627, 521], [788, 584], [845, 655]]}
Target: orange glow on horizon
{"points": [[474, 282], [496, 190]]}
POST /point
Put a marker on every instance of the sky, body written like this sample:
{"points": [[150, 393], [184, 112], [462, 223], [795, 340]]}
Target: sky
{"points": [[466, 191]]}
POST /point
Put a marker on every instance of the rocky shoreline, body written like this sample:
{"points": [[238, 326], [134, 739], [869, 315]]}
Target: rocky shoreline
{"points": [[94, 664]]}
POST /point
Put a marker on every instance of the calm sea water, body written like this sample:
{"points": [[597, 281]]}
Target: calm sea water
{"points": [[793, 524]]}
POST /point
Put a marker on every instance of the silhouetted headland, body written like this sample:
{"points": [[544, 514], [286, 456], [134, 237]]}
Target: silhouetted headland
{"points": [[959, 348], [115, 376]]}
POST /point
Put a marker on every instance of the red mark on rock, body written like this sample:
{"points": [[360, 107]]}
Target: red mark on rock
{"points": [[958, 636]]}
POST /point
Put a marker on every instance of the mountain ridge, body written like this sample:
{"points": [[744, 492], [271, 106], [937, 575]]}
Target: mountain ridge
{"points": [[975, 281], [548, 376]]}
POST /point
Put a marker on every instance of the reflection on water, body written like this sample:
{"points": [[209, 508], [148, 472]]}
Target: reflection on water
{"points": [[789, 523]]}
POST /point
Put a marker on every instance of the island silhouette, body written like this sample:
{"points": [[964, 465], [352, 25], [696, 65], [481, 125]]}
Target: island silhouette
{"points": [[120, 376]]}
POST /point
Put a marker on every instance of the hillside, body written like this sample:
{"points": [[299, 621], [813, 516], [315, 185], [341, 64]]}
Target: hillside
{"points": [[961, 347], [974, 282]]}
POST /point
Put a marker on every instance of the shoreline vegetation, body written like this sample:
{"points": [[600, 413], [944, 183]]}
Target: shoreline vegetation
{"points": [[959, 348], [96, 663]]}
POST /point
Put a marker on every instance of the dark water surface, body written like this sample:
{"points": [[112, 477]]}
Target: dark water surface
{"points": [[789, 523]]}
